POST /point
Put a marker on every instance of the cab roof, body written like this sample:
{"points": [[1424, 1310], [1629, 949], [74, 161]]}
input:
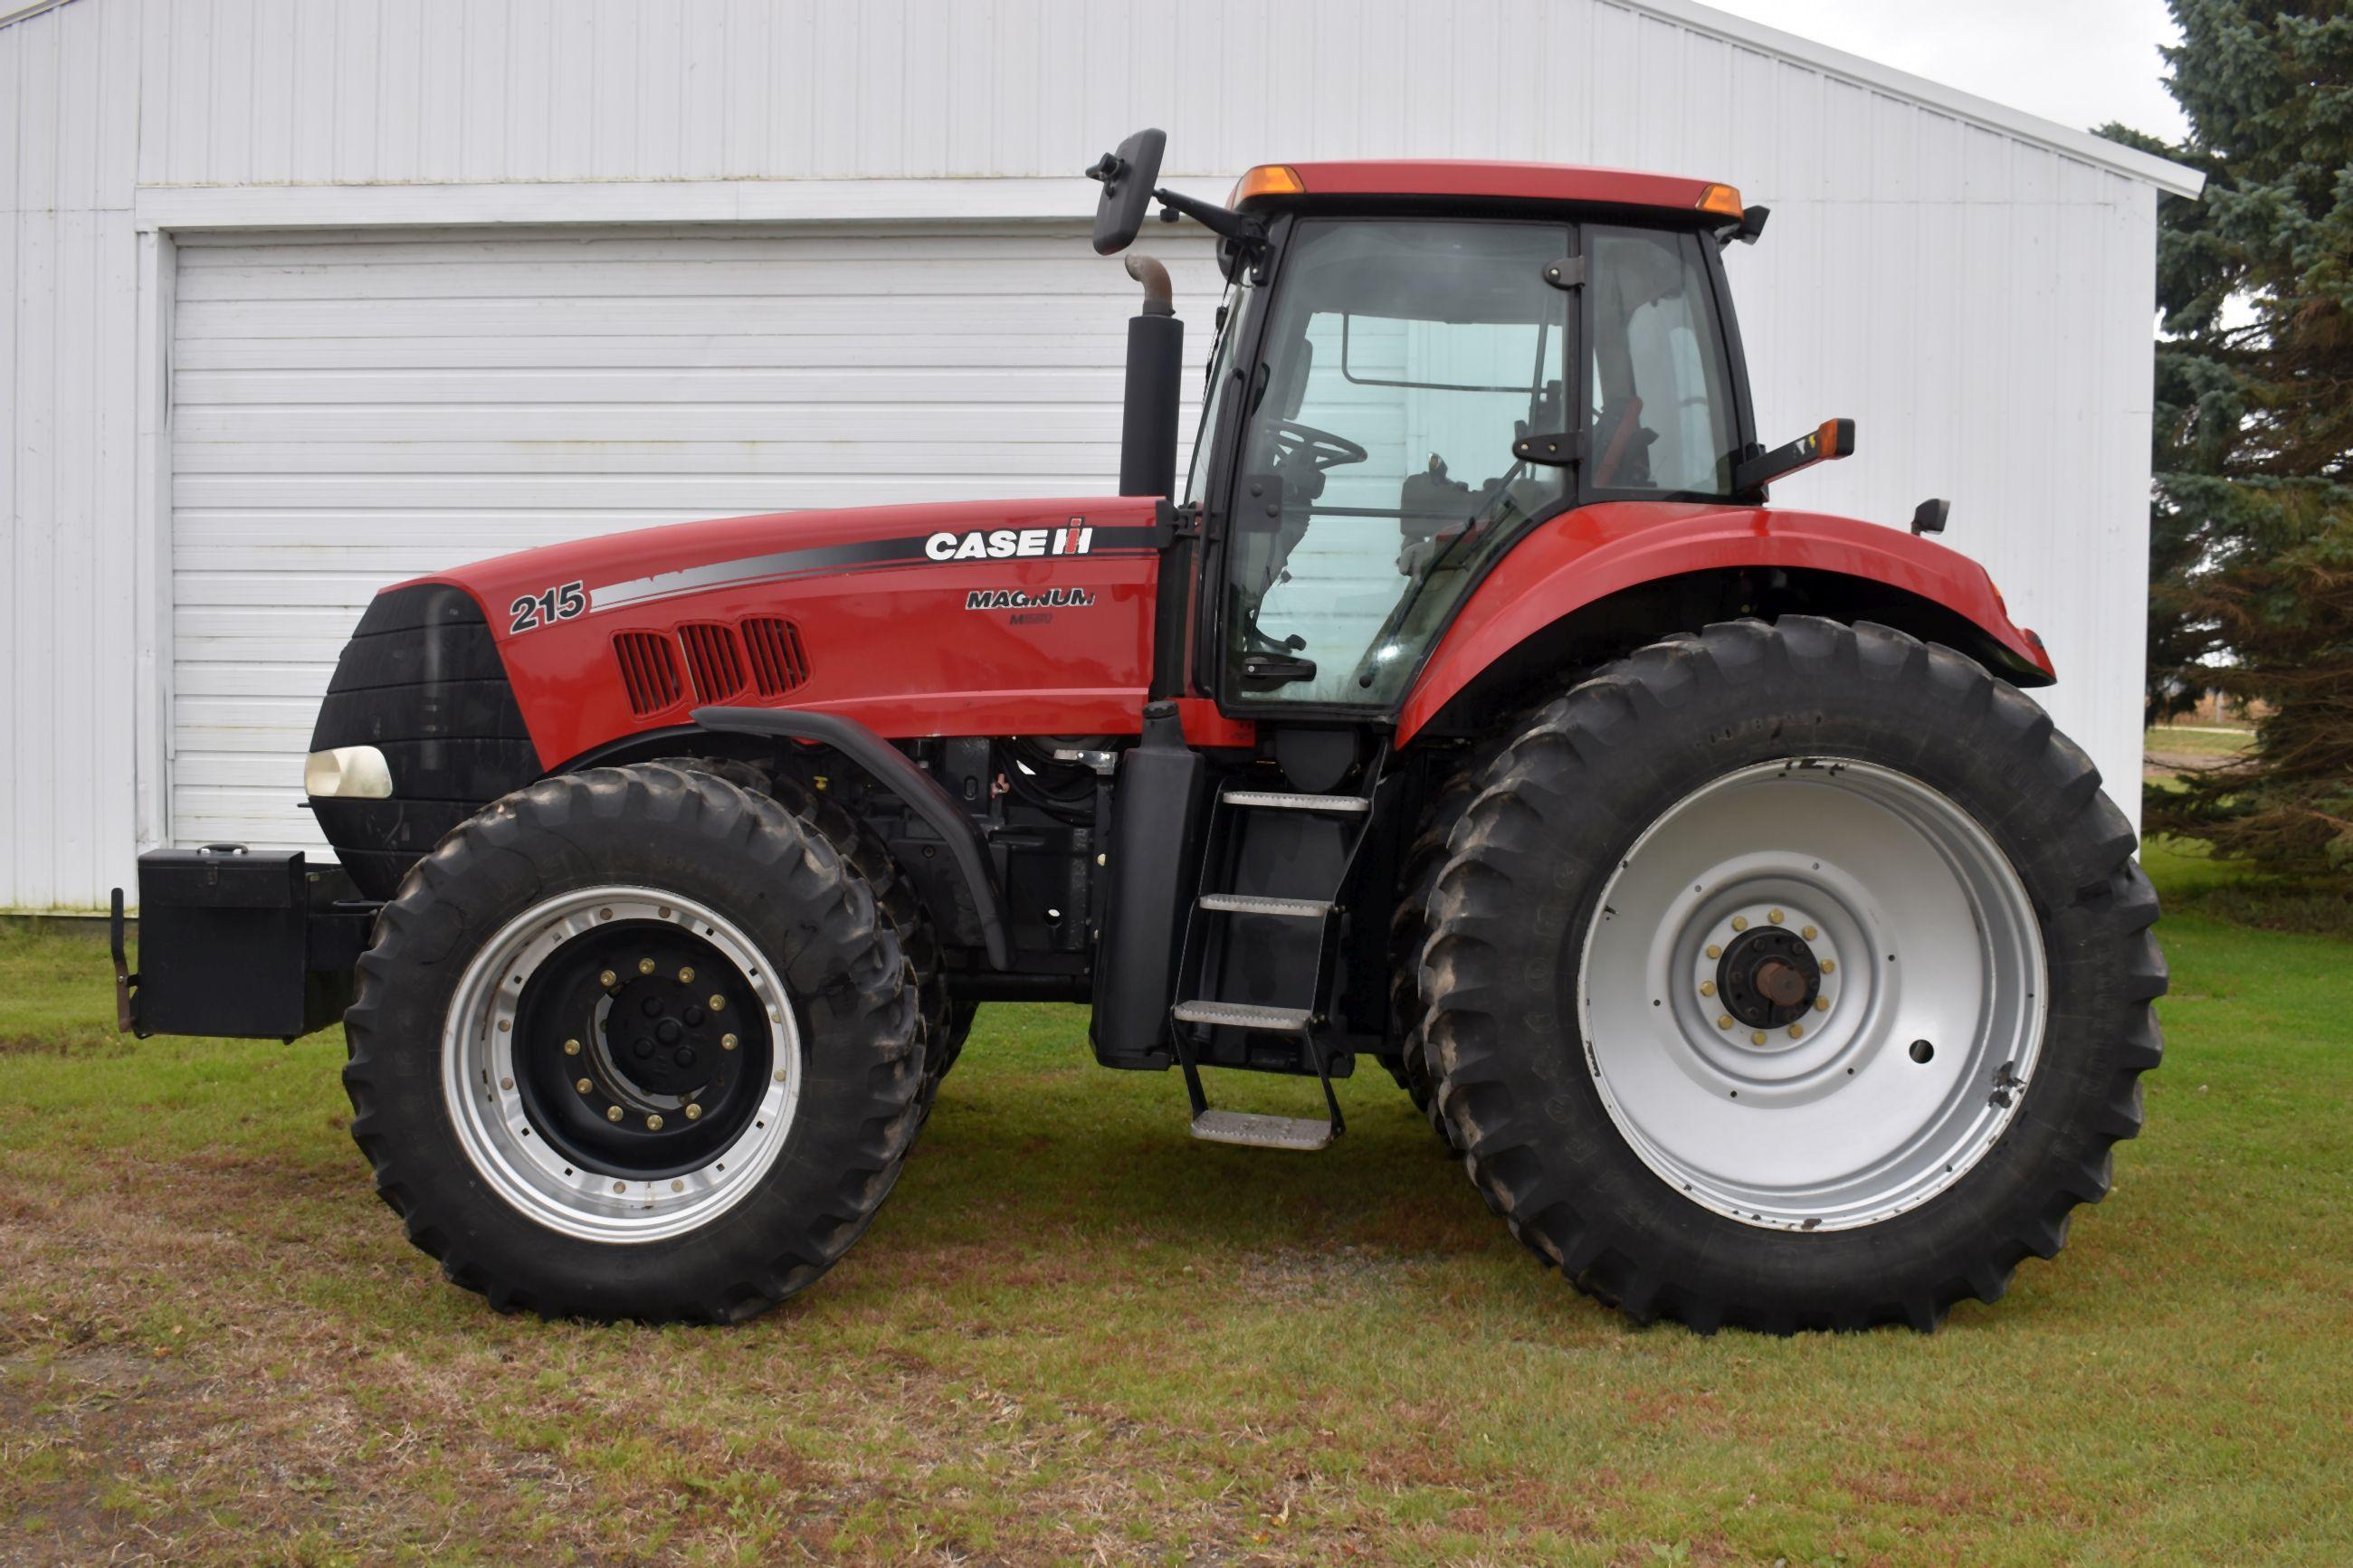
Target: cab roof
{"points": [[1464, 179]]}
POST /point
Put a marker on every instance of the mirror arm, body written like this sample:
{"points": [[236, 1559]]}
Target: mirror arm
{"points": [[1222, 221], [1834, 439]]}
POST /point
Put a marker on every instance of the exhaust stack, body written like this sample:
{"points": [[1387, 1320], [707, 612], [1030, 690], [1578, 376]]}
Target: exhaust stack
{"points": [[1155, 352]]}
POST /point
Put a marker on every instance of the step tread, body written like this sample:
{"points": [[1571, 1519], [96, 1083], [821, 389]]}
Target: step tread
{"points": [[1242, 1015], [1253, 1129], [1281, 800], [1259, 904]]}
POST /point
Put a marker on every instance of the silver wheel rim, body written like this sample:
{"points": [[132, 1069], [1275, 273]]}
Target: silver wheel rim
{"points": [[480, 1078], [1918, 1039]]}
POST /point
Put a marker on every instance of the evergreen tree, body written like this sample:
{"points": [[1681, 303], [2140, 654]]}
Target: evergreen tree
{"points": [[2251, 528]]}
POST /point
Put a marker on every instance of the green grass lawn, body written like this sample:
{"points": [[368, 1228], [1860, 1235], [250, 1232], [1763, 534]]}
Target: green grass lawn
{"points": [[2207, 742], [1076, 1335]]}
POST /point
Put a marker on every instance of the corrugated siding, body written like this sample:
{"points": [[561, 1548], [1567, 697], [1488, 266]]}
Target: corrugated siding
{"points": [[1979, 298], [348, 412], [69, 119]]}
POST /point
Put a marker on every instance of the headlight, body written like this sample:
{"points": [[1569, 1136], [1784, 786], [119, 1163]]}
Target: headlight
{"points": [[347, 772]]}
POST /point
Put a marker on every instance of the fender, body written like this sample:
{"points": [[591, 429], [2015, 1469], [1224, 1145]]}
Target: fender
{"points": [[1587, 554], [891, 768]]}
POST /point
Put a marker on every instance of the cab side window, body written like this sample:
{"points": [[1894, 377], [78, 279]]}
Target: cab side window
{"points": [[1661, 395]]}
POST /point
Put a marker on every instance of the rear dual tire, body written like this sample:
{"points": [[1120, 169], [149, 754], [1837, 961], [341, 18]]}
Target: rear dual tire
{"points": [[635, 1043], [1593, 1016]]}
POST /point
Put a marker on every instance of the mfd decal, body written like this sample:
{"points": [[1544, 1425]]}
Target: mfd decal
{"points": [[1074, 538]]}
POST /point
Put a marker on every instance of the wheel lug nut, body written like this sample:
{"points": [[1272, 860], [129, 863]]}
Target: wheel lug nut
{"points": [[1797, 1031], [570, 1048], [1756, 1036], [1821, 1004], [653, 1123], [718, 1002], [726, 1041], [1740, 922], [1724, 1020], [645, 966], [608, 980], [686, 978], [1775, 916], [585, 1085], [1809, 933], [1830, 965], [1708, 987], [1713, 951], [612, 1113], [694, 1113]]}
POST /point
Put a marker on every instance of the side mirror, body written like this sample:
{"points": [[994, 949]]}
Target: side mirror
{"points": [[1833, 439], [1128, 175]]}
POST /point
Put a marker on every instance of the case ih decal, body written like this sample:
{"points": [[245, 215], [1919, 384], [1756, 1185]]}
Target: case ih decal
{"points": [[1074, 538]]}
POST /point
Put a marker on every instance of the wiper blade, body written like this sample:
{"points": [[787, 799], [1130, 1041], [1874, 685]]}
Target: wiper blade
{"points": [[1384, 643], [1445, 552]]}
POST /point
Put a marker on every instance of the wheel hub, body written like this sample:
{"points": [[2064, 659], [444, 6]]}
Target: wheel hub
{"points": [[1769, 978], [672, 1038]]}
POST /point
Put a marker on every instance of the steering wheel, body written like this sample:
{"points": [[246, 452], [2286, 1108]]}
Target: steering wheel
{"points": [[1319, 449]]}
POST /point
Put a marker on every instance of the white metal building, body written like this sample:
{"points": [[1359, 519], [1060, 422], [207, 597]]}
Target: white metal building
{"points": [[311, 295]]}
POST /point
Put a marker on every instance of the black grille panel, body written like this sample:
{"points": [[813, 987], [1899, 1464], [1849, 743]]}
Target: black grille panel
{"points": [[422, 681]]}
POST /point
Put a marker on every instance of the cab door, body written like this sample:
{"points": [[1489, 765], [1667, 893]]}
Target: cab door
{"points": [[1397, 362]]}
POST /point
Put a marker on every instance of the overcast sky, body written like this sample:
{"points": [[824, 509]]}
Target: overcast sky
{"points": [[2079, 62]]}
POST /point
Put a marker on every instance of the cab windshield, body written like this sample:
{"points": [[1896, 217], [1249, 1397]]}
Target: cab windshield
{"points": [[1402, 359]]}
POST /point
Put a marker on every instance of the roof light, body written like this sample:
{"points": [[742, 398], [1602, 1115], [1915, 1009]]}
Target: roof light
{"points": [[1269, 180], [1722, 200]]}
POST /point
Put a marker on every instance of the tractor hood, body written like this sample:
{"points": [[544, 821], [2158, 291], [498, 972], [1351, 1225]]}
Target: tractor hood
{"points": [[648, 565], [982, 618]]}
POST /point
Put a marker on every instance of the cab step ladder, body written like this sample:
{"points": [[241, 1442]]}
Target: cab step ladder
{"points": [[1195, 1014]]}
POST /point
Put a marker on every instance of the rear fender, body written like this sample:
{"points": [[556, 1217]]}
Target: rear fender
{"points": [[1568, 569]]}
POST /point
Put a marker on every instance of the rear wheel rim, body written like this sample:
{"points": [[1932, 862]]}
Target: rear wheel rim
{"points": [[1812, 995], [687, 1104]]}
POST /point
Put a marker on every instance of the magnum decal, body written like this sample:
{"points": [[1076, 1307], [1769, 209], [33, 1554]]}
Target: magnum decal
{"points": [[1014, 599], [1074, 538]]}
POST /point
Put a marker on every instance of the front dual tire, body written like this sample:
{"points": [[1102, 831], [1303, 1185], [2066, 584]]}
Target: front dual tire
{"points": [[1789, 976], [634, 1042]]}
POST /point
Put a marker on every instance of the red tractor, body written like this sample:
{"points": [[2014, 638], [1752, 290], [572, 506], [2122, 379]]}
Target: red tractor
{"points": [[1698, 866]]}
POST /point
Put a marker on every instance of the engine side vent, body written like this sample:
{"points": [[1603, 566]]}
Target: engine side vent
{"points": [[649, 671], [778, 664], [712, 660]]}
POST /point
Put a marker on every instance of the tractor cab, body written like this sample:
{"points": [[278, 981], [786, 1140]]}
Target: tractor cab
{"points": [[1397, 398], [1419, 362]]}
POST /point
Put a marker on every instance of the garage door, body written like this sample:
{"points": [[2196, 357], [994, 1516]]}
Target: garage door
{"points": [[349, 410]]}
